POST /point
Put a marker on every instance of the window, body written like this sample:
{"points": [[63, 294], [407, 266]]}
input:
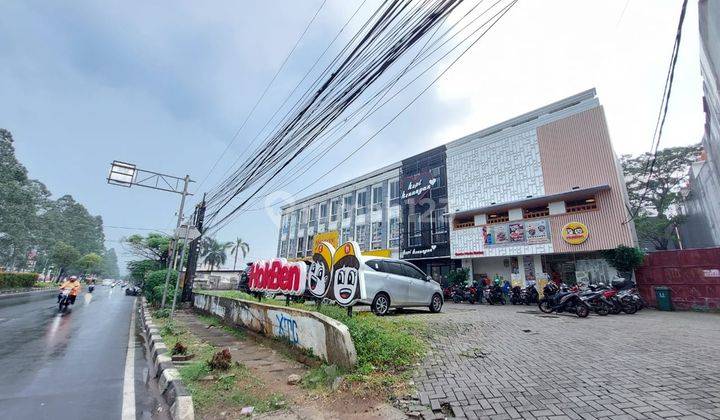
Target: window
{"points": [[394, 233], [334, 209], [535, 212], [283, 248], [394, 192], [463, 222], [394, 267], [412, 271], [301, 247], [313, 214], [301, 216], [309, 249], [439, 226], [345, 234], [347, 206], [499, 217], [578, 206], [285, 225], [361, 236], [414, 229], [293, 247], [376, 239], [323, 211], [377, 197], [437, 174], [378, 265], [362, 202]]}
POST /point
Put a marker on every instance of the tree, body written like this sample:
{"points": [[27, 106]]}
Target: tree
{"points": [[655, 199], [239, 246], [139, 269], [459, 276], [110, 264], [215, 252], [154, 246], [624, 258], [90, 263], [64, 256]]}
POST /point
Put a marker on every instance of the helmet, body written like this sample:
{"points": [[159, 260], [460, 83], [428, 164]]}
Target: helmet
{"points": [[73, 277]]}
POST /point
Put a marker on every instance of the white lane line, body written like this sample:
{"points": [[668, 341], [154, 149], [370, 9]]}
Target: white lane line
{"points": [[128, 406]]}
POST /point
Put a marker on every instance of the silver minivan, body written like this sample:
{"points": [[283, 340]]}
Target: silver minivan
{"points": [[392, 283]]}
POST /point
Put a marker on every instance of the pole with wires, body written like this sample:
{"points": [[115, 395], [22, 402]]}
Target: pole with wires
{"points": [[193, 253], [171, 259]]}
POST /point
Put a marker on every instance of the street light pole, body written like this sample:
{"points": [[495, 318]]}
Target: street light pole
{"points": [[171, 262]]}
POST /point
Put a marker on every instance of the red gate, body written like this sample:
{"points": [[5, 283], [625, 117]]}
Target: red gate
{"points": [[693, 275]]}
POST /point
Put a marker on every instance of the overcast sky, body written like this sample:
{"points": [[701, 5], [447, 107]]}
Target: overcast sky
{"points": [[165, 85]]}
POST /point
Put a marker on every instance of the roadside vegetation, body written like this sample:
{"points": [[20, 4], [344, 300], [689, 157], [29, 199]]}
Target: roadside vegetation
{"points": [[215, 391], [387, 347]]}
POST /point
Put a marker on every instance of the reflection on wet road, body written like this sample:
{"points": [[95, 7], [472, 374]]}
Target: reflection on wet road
{"points": [[68, 365]]}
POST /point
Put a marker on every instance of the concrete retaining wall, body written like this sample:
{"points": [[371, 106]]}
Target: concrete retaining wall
{"points": [[176, 396], [325, 337]]}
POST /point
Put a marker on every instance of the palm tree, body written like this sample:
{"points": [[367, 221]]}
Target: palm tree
{"points": [[215, 252], [239, 246]]}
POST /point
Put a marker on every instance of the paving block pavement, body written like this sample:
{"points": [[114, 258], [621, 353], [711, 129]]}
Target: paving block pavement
{"points": [[514, 362]]}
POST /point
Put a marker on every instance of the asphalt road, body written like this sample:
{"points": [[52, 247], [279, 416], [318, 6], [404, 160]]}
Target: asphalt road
{"points": [[73, 365]]}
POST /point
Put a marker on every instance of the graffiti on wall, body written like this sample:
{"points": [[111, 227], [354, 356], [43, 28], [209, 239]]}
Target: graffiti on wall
{"points": [[287, 327]]}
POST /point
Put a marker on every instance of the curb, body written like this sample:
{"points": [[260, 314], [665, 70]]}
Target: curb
{"points": [[26, 293], [176, 396]]}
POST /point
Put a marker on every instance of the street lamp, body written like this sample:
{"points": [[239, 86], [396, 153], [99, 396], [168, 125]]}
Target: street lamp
{"points": [[127, 174]]}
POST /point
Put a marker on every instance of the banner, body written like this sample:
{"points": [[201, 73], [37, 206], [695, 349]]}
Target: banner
{"points": [[500, 232], [537, 232], [517, 232]]}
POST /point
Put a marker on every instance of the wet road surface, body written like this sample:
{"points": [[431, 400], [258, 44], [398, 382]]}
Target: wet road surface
{"points": [[72, 365]]}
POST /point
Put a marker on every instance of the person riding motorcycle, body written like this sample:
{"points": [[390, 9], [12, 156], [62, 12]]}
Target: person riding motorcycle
{"points": [[74, 285]]}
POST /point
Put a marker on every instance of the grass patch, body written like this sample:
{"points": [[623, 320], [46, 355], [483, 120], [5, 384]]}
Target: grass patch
{"points": [[387, 347], [214, 392]]}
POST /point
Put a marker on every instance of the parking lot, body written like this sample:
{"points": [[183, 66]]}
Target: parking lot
{"points": [[515, 362]]}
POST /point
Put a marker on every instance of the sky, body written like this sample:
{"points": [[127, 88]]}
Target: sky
{"points": [[166, 85]]}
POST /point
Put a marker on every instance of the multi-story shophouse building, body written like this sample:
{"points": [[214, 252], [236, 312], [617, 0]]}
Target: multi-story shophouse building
{"points": [[535, 197]]}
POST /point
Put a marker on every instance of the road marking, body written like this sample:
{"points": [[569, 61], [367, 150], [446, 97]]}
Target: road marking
{"points": [[128, 406]]}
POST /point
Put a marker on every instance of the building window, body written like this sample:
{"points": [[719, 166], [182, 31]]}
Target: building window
{"points": [[578, 206], [415, 229], [377, 197], [535, 212], [285, 225], [394, 233], [439, 227], [293, 247], [309, 249], [347, 206], [301, 247], [376, 240], [463, 222], [323, 211], [345, 234], [362, 202], [361, 236], [437, 174], [301, 216], [394, 192], [499, 217], [313, 214], [334, 209], [283, 249]]}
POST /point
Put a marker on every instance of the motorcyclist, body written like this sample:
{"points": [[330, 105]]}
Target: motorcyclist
{"points": [[74, 285]]}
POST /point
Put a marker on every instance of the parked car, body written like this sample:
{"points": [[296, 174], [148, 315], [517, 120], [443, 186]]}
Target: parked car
{"points": [[132, 291], [392, 283]]}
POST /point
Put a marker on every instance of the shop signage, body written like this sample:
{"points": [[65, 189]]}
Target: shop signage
{"points": [[417, 186], [574, 233], [517, 232], [536, 231], [386, 253], [332, 237], [712, 273], [278, 276], [418, 252]]}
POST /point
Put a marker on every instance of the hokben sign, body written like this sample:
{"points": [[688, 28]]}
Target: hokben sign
{"points": [[278, 276]]}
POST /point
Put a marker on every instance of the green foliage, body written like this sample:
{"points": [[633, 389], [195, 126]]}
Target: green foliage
{"points": [[155, 284], [459, 277], [154, 247], [138, 269], [215, 252], [624, 258], [64, 255], [90, 263], [162, 313], [110, 264], [239, 246], [12, 280]]}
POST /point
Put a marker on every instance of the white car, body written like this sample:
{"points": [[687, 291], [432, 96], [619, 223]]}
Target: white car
{"points": [[391, 283]]}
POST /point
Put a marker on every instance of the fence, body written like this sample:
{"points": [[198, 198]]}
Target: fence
{"points": [[693, 275]]}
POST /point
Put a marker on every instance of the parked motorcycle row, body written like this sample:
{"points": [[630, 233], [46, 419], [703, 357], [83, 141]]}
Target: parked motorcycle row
{"points": [[619, 297]]}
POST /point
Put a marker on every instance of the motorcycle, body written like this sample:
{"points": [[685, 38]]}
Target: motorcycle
{"points": [[495, 295], [516, 296], [596, 301], [91, 288], [468, 294], [529, 295], [556, 300], [64, 300]]}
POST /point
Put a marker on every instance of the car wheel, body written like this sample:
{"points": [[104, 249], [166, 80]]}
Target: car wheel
{"points": [[436, 303], [381, 304]]}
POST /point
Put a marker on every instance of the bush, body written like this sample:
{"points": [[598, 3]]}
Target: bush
{"points": [[459, 277], [155, 283], [10, 280], [221, 360], [624, 258]]}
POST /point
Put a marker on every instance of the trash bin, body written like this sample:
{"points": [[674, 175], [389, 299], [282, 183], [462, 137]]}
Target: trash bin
{"points": [[662, 295]]}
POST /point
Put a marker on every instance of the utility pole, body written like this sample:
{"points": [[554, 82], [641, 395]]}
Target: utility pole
{"points": [[193, 253], [177, 280], [171, 260]]}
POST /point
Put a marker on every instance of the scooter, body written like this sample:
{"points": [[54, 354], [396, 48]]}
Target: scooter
{"points": [[516, 295], [495, 295], [91, 288], [64, 300], [529, 295], [555, 300]]}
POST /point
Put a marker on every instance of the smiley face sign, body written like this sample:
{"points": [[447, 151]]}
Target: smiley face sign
{"points": [[574, 233], [347, 278], [320, 270]]}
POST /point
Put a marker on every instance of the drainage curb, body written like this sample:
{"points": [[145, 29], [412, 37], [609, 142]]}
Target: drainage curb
{"points": [[176, 396]]}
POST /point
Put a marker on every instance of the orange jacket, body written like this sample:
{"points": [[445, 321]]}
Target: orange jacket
{"points": [[73, 286]]}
